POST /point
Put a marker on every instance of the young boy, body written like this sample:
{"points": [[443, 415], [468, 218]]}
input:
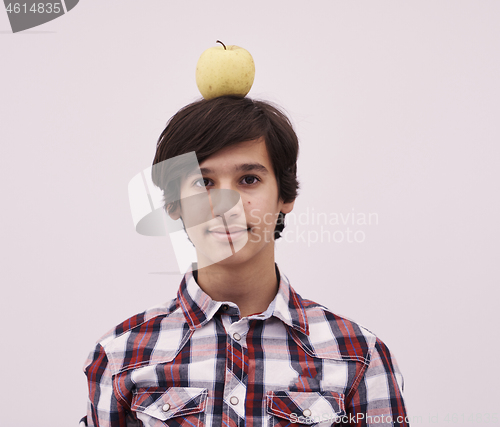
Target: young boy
{"points": [[237, 346]]}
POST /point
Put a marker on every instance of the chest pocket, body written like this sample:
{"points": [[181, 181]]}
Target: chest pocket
{"points": [[180, 405], [322, 408]]}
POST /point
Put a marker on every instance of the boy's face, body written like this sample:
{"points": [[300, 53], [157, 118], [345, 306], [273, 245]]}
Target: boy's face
{"points": [[245, 232]]}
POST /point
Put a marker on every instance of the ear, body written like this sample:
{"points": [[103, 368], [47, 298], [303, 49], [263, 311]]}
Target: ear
{"points": [[173, 211], [287, 207]]}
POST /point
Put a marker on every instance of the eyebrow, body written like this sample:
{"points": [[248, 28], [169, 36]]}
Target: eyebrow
{"points": [[243, 167]]}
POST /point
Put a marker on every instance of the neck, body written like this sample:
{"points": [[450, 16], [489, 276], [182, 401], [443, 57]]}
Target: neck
{"points": [[250, 285]]}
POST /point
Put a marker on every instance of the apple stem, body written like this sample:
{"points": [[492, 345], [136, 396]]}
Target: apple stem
{"points": [[218, 41]]}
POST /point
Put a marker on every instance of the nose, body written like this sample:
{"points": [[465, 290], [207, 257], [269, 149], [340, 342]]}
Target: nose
{"points": [[225, 202]]}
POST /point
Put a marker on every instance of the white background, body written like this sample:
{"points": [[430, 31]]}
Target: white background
{"points": [[397, 107]]}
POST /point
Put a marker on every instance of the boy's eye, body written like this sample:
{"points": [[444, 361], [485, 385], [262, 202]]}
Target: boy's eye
{"points": [[205, 182], [250, 179], [202, 182]]}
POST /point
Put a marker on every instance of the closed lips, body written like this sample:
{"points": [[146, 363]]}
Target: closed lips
{"points": [[232, 233], [231, 230]]}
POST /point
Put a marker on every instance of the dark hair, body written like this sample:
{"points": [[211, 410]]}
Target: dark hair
{"points": [[207, 126]]}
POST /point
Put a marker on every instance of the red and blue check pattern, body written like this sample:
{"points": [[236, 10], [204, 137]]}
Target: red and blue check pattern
{"points": [[194, 362]]}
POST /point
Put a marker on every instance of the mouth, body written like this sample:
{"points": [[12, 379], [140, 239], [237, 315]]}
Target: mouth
{"points": [[231, 233]]}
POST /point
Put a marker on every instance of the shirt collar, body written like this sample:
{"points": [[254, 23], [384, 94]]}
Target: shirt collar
{"points": [[199, 308]]}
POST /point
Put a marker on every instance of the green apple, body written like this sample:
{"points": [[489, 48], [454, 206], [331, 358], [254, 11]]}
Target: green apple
{"points": [[225, 70]]}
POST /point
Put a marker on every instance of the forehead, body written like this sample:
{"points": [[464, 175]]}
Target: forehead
{"points": [[243, 153], [240, 157]]}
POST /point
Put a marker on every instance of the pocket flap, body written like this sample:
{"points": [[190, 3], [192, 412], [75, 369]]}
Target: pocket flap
{"points": [[173, 402], [306, 407]]}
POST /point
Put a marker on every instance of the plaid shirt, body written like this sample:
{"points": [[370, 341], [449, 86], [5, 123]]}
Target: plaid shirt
{"points": [[194, 363]]}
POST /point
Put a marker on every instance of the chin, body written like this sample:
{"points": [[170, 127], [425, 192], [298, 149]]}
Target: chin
{"points": [[248, 252], [234, 259]]}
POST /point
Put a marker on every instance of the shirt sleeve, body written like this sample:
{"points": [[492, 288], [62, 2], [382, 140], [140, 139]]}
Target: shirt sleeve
{"points": [[378, 399], [104, 409]]}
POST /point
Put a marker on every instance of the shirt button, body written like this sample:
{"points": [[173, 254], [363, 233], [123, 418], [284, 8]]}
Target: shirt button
{"points": [[237, 336], [307, 413], [234, 400], [165, 407]]}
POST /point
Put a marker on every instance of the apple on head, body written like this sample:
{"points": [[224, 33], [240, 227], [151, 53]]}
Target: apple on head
{"points": [[225, 70]]}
